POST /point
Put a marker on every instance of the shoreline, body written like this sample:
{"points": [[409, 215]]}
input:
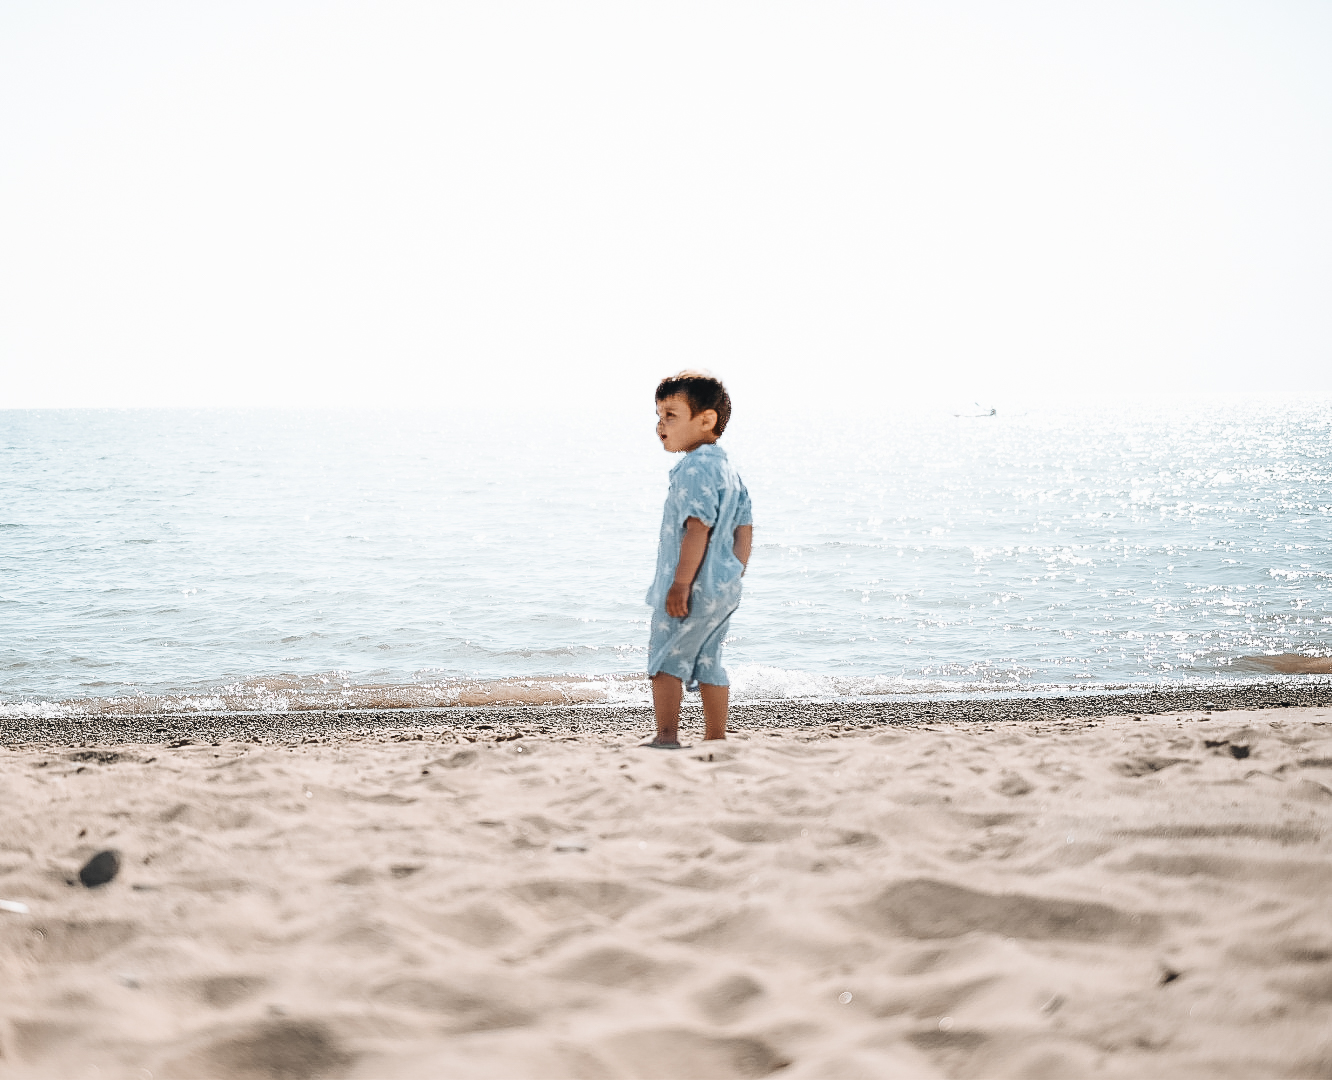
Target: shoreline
{"points": [[510, 721]]}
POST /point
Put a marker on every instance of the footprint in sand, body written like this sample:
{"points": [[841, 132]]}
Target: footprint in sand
{"points": [[1313, 878], [725, 1000], [757, 831], [1272, 951], [614, 966], [566, 898], [206, 818], [935, 909], [1146, 766], [1312, 791], [1014, 785], [1281, 834], [482, 924], [37, 1039], [77, 942], [669, 1054], [221, 991], [458, 760], [772, 832], [464, 1010], [1314, 987], [290, 1049]]}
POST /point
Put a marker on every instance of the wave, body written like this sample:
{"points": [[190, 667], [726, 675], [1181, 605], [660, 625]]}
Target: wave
{"points": [[750, 683], [308, 693]]}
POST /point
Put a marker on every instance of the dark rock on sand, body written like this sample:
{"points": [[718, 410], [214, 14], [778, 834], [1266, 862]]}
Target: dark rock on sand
{"points": [[100, 869]]}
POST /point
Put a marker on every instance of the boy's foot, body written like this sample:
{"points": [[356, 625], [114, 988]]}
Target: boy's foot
{"points": [[658, 744]]}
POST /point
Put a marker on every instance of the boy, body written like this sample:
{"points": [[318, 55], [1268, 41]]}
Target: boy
{"points": [[706, 536]]}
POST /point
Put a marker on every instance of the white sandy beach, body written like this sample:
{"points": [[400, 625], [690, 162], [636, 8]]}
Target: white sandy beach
{"points": [[1116, 897]]}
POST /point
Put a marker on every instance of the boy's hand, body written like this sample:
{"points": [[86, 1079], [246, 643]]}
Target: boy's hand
{"points": [[693, 546], [677, 601]]}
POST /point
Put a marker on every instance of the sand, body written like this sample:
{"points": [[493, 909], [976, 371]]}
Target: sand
{"points": [[1114, 896]]}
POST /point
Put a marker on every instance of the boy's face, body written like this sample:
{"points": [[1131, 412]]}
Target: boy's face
{"points": [[678, 431]]}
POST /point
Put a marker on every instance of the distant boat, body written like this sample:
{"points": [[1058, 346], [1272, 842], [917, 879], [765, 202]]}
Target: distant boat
{"points": [[992, 412]]}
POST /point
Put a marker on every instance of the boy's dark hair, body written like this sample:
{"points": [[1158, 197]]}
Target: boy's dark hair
{"points": [[702, 392]]}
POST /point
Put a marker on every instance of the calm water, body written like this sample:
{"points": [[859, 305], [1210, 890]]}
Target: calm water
{"points": [[276, 559]]}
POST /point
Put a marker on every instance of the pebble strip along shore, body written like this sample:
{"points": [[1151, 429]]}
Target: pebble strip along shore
{"points": [[501, 723]]}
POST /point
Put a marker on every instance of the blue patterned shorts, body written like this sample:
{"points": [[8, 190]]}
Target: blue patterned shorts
{"points": [[690, 648]]}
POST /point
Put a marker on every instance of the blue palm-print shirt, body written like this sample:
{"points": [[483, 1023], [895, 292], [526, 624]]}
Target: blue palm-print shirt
{"points": [[704, 485]]}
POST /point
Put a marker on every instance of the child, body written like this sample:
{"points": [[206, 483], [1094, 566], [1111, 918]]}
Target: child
{"points": [[706, 536]]}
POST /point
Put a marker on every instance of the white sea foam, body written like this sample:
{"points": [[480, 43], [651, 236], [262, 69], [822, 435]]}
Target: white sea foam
{"points": [[40, 710], [765, 682]]}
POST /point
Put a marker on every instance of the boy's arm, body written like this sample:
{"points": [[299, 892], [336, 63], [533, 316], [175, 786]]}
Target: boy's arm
{"points": [[744, 544], [693, 546]]}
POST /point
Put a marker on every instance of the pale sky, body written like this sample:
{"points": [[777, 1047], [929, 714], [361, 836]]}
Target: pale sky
{"points": [[458, 204]]}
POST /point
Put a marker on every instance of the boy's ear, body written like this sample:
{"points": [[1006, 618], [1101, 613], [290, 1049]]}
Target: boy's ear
{"points": [[709, 418]]}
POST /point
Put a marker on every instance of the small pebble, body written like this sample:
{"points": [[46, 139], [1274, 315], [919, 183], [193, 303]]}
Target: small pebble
{"points": [[13, 907], [100, 869]]}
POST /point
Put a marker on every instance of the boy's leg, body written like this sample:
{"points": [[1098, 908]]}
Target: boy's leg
{"points": [[667, 692], [716, 702]]}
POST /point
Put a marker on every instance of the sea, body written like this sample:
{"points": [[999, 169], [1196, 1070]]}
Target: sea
{"points": [[270, 560]]}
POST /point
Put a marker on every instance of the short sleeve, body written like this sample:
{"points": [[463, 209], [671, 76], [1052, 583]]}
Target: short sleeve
{"points": [[700, 494], [744, 513]]}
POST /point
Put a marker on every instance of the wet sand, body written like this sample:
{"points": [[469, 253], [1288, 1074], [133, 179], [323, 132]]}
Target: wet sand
{"points": [[1010, 888], [1291, 664], [510, 718]]}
